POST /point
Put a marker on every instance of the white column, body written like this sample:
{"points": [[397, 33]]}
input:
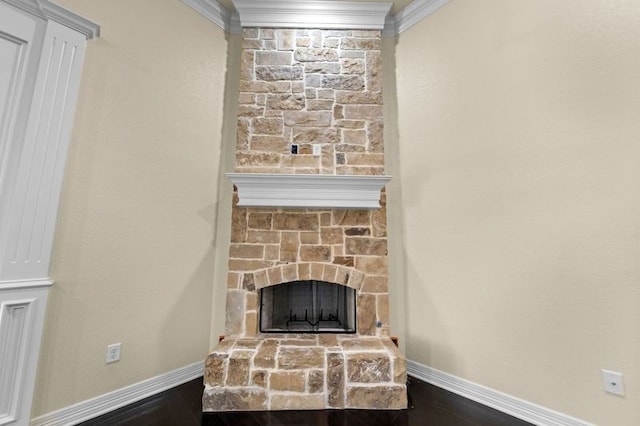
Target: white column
{"points": [[32, 207], [41, 54]]}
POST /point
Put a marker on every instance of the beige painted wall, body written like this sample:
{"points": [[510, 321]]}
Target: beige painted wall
{"points": [[395, 230], [225, 188], [511, 144], [134, 253], [519, 165]]}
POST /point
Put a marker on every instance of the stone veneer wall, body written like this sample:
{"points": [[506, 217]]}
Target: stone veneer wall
{"points": [[305, 372], [308, 87], [271, 246]]}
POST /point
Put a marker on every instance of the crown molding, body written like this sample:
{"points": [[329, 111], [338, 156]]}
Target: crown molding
{"points": [[280, 13], [213, 11], [69, 19], [235, 27], [50, 11], [415, 12], [312, 14], [390, 27], [308, 191]]}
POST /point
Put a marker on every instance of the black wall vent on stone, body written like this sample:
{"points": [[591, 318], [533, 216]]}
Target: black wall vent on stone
{"points": [[308, 307]]}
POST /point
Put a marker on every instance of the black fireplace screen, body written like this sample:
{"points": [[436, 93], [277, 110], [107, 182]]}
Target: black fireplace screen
{"points": [[308, 307]]}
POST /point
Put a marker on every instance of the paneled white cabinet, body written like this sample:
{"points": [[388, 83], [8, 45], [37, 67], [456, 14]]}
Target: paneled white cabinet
{"points": [[41, 53]]}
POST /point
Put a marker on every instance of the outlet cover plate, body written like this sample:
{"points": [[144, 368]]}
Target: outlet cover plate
{"points": [[113, 353], [613, 382]]}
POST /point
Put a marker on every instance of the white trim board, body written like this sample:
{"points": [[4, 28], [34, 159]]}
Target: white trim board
{"points": [[308, 191], [508, 404], [50, 11], [312, 14], [213, 11], [108, 402], [415, 12], [393, 26]]}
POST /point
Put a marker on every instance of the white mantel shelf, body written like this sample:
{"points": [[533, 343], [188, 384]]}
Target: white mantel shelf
{"points": [[312, 14], [308, 191]]}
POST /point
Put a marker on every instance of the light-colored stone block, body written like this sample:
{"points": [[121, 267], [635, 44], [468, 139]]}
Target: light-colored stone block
{"points": [[292, 381], [373, 265], [225, 399], [237, 371], [234, 317], [307, 54], [297, 402], [368, 367], [377, 397], [259, 378], [361, 344], [266, 355], [273, 58], [315, 253], [246, 251], [335, 380], [329, 273], [315, 382], [366, 314], [374, 284], [331, 235], [215, 367], [292, 358], [365, 246]]}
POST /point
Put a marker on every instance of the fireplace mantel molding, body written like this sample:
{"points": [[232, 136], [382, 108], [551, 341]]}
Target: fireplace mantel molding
{"points": [[308, 191]]}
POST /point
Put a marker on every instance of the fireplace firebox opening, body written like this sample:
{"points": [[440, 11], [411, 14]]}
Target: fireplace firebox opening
{"points": [[308, 307]]}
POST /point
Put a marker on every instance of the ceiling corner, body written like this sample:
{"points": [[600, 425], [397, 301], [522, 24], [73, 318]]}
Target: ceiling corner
{"points": [[416, 12]]}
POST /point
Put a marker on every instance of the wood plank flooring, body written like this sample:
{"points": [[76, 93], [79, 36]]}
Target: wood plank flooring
{"points": [[428, 405]]}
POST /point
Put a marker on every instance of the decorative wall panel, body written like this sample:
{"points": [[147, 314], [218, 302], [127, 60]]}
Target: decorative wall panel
{"points": [[41, 53]]}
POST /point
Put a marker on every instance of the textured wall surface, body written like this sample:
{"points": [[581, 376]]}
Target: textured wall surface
{"points": [[310, 87], [518, 163], [514, 153], [133, 258]]}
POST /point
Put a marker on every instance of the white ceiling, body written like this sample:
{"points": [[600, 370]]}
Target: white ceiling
{"points": [[398, 5]]}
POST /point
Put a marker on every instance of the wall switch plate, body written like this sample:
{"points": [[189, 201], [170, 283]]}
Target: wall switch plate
{"points": [[613, 382], [317, 149], [113, 352]]}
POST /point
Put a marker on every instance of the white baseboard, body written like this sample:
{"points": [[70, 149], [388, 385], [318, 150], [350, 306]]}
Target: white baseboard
{"points": [[508, 404], [102, 404]]}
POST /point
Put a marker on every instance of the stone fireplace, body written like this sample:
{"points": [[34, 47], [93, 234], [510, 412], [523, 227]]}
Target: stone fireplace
{"points": [[307, 309]]}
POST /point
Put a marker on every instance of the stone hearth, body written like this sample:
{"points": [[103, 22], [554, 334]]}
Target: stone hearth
{"points": [[308, 87], [305, 372]]}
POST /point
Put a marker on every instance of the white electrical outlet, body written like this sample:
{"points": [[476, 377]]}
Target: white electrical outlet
{"points": [[317, 149], [113, 352], [613, 382]]}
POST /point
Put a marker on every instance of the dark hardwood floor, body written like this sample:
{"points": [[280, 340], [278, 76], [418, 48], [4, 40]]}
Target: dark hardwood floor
{"points": [[428, 405]]}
